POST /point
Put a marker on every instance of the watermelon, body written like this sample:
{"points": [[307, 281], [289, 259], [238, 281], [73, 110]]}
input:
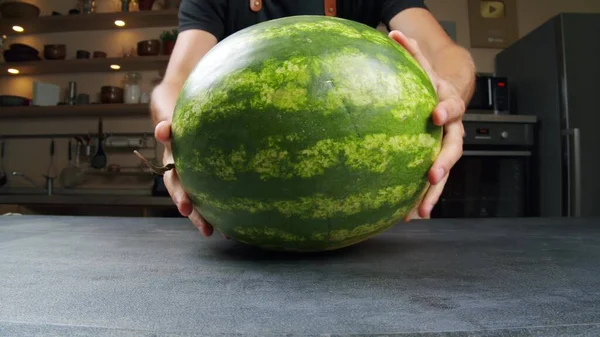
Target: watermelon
{"points": [[305, 133]]}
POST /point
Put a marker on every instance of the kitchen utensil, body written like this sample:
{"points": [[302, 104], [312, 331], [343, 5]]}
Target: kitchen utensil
{"points": [[9, 100], [3, 178], [88, 6], [11, 56], [83, 99], [146, 5], [51, 175], [99, 159], [72, 175], [133, 90], [99, 54], [125, 6], [148, 47], [51, 168], [82, 54], [111, 94], [55, 51], [18, 10], [22, 48], [72, 93]]}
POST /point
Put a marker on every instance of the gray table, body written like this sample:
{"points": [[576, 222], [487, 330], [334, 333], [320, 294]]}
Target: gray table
{"points": [[159, 277]]}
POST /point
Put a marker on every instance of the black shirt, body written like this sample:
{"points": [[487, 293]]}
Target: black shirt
{"points": [[225, 17]]}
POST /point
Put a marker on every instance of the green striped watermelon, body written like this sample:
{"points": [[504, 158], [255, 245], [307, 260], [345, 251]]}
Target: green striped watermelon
{"points": [[305, 133]]}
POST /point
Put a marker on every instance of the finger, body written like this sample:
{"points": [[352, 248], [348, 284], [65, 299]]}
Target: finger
{"points": [[412, 215], [450, 109], [412, 46], [452, 148], [162, 131], [177, 193], [198, 220], [431, 198]]}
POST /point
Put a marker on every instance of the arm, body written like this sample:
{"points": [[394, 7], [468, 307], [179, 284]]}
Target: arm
{"points": [[190, 47], [450, 61], [200, 26]]}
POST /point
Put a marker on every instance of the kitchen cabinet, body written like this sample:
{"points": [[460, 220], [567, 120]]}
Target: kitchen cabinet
{"points": [[94, 65], [108, 22], [79, 111], [90, 22]]}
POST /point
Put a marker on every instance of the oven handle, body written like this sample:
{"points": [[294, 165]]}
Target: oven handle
{"points": [[575, 163], [492, 153], [489, 92]]}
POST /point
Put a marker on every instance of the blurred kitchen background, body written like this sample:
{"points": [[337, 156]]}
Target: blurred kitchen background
{"points": [[94, 64]]}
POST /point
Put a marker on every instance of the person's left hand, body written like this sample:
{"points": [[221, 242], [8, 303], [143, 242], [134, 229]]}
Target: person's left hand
{"points": [[448, 113]]}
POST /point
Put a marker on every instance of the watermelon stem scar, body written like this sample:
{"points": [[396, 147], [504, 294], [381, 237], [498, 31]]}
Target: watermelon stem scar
{"points": [[159, 170]]}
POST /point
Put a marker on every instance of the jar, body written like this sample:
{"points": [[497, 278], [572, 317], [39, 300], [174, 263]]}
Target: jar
{"points": [[133, 90], [124, 5], [87, 6]]}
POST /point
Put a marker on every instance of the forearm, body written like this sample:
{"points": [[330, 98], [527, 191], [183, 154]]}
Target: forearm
{"points": [[163, 100], [455, 65], [450, 61], [191, 46]]}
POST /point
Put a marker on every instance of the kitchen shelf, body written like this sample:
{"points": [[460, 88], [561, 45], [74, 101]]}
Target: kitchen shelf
{"points": [[93, 65], [76, 111], [89, 22]]}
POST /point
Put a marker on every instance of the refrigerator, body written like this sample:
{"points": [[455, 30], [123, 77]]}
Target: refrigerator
{"points": [[554, 73]]}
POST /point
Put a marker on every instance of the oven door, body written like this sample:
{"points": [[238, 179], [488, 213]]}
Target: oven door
{"points": [[488, 183]]}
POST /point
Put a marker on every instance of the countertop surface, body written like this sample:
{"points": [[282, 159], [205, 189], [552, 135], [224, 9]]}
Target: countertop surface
{"points": [[84, 276]]}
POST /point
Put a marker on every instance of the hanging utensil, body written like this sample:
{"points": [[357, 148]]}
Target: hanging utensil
{"points": [[51, 168], [51, 174], [99, 159], [71, 175]]}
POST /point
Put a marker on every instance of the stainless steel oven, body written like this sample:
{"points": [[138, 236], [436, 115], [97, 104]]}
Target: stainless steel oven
{"points": [[495, 177]]}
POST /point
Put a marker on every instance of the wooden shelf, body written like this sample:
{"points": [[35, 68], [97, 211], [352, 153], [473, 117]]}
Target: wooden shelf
{"points": [[76, 111], [45, 67], [88, 22]]}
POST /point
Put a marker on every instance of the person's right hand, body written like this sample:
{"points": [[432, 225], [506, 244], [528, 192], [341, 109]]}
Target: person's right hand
{"points": [[162, 133]]}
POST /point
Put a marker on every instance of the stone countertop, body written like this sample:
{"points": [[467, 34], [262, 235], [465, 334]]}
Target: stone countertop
{"points": [[91, 276]]}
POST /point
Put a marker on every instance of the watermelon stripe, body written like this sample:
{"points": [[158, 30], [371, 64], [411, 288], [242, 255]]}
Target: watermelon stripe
{"points": [[316, 206], [373, 153], [275, 231], [283, 86]]}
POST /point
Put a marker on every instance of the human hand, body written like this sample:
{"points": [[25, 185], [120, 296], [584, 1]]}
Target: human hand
{"points": [[448, 113], [162, 133]]}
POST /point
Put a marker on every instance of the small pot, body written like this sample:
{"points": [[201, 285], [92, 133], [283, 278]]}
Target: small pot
{"points": [[99, 54], [111, 95], [83, 54], [168, 47], [146, 5], [55, 51], [148, 48]]}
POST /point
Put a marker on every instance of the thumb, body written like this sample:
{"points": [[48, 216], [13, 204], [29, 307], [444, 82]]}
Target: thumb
{"points": [[162, 132]]}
